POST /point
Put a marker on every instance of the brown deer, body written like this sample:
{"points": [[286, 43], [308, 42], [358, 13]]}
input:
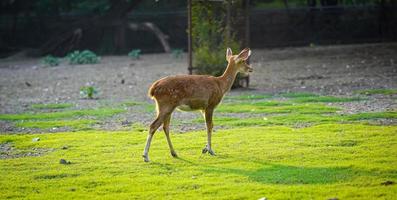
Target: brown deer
{"points": [[193, 92]]}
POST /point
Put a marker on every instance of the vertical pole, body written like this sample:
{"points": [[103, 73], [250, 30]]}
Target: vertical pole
{"points": [[247, 32], [228, 21], [247, 23], [189, 37]]}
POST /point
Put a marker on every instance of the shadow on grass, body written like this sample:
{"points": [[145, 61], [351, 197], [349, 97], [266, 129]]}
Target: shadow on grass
{"points": [[285, 174]]}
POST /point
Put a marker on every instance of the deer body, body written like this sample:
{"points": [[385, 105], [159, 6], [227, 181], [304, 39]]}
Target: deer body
{"points": [[193, 92]]}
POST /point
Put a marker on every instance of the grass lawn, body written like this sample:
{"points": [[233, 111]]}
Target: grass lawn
{"points": [[320, 162], [337, 156]]}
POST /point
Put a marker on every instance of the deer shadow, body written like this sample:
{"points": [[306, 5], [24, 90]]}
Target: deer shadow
{"points": [[270, 173]]}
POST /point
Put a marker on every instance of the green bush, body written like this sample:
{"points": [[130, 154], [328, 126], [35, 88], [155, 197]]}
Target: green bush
{"points": [[88, 92], [210, 38], [50, 60], [84, 57], [135, 54]]}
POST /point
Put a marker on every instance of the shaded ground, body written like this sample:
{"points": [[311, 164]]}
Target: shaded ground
{"points": [[329, 70]]}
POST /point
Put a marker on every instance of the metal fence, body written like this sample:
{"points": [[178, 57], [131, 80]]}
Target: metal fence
{"points": [[268, 27]]}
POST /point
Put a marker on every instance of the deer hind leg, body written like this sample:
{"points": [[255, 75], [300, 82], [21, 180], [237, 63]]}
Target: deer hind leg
{"points": [[166, 128], [208, 120], [162, 113]]}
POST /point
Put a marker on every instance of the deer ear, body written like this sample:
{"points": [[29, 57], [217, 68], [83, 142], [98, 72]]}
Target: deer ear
{"points": [[244, 54], [228, 54]]}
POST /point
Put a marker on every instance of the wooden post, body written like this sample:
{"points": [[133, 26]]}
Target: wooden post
{"points": [[189, 37]]}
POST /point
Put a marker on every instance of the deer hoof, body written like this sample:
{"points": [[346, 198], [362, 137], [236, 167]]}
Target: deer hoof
{"points": [[173, 153], [205, 150], [212, 153], [145, 158]]}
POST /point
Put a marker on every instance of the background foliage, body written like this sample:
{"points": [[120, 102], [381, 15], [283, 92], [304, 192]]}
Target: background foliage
{"points": [[210, 39]]}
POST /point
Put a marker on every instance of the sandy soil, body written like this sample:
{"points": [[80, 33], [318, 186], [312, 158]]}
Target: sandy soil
{"points": [[330, 70]]}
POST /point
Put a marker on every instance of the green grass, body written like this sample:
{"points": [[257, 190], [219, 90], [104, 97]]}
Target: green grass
{"points": [[326, 99], [296, 119], [74, 124], [298, 94], [52, 106], [248, 97], [377, 91], [373, 115], [275, 107], [347, 161], [131, 103], [100, 112]]}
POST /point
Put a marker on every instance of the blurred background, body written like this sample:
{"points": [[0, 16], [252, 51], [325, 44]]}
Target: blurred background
{"points": [[91, 53], [116, 26]]}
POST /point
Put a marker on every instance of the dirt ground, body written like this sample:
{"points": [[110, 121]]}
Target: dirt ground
{"points": [[328, 70]]}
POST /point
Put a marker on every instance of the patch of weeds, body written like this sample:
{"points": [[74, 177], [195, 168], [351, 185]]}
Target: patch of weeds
{"points": [[81, 124], [52, 106], [276, 107], [84, 57], [249, 97], [88, 92], [325, 99], [298, 94], [377, 91], [135, 54], [51, 61], [100, 112]]}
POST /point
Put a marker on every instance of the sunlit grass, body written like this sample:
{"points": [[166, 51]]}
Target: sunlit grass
{"points": [[297, 119], [52, 106], [298, 94], [377, 91], [326, 99], [248, 97], [100, 112], [74, 124], [320, 162], [275, 107], [131, 103]]}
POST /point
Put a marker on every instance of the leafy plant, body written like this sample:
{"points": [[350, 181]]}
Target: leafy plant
{"points": [[50, 60], [84, 57], [177, 53], [135, 54], [88, 92]]}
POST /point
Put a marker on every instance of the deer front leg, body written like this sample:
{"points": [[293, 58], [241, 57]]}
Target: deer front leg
{"points": [[208, 120], [166, 128]]}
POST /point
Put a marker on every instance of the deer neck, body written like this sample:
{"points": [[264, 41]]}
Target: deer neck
{"points": [[228, 77]]}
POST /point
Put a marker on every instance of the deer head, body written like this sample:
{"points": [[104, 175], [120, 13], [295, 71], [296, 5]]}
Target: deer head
{"points": [[239, 62]]}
